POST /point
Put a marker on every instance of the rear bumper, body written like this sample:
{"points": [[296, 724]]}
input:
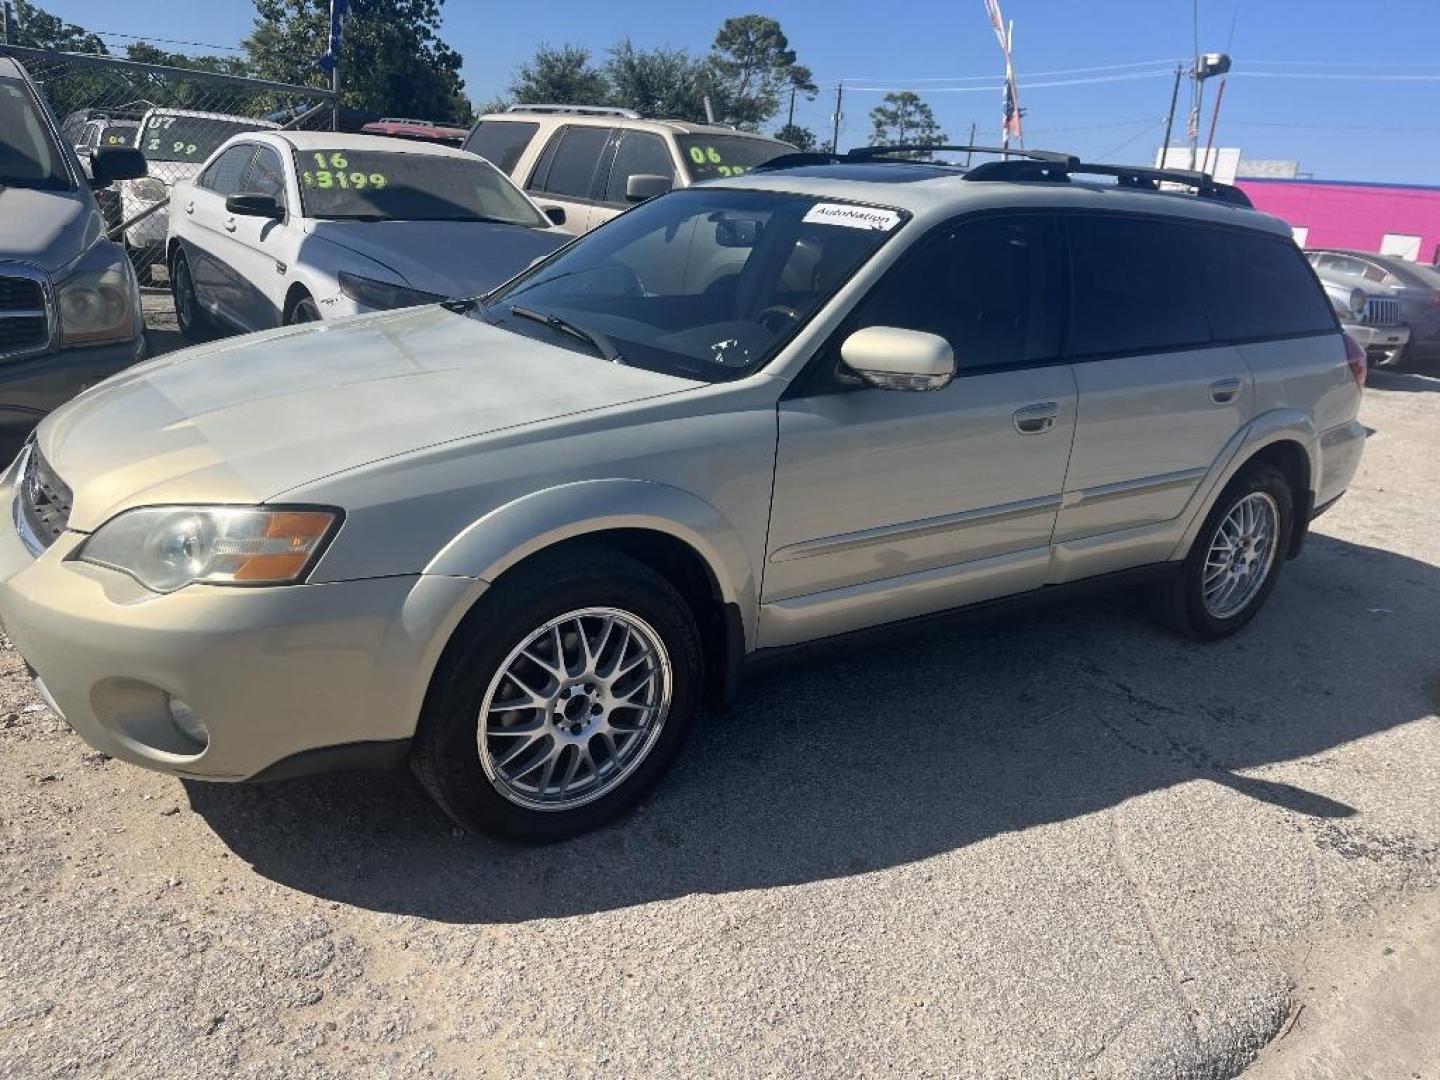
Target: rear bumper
{"points": [[1340, 451]]}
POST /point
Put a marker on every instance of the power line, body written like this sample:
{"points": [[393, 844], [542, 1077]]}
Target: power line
{"points": [[165, 41], [1000, 81], [1001, 75], [1373, 76], [1143, 131]]}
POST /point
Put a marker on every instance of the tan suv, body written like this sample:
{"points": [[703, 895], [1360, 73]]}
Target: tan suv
{"points": [[590, 162]]}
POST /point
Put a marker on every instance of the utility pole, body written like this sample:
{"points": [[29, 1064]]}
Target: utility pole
{"points": [[970, 153], [790, 119], [1214, 119], [11, 31], [839, 103], [1170, 118]]}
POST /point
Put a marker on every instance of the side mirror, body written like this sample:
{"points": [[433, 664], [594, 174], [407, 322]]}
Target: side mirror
{"points": [[261, 206], [111, 163], [896, 359], [644, 186], [556, 214], [733, 232]]}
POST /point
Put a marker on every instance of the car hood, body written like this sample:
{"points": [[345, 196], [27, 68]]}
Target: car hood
{"points": [[48, 229], [447, 258], [248, 419]]}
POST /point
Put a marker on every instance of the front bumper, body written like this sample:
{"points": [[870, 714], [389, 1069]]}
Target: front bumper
{"points": [[32, 387], [1379, 339], [274, 674]]}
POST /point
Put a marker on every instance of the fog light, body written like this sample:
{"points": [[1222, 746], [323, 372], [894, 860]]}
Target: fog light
{"points": [[189, 722]]}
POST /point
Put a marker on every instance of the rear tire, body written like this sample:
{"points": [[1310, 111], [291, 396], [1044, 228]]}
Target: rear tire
{"points": [[194, 323], [1235, 560], [302, 309], [535, 667]]}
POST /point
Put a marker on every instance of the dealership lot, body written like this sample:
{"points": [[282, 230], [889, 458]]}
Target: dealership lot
{"points": [[1055, 843]]}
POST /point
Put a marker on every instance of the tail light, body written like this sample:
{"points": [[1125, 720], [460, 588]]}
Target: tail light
{"points": [[1355, 357]]}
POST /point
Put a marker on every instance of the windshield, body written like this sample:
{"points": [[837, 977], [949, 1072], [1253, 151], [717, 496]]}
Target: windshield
{"points": [[710, 156], [404, 186], [28, 156], [704, 283], [188, 138]]}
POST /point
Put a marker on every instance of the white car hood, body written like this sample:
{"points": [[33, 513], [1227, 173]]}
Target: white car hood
{"points": [[250, 418], [447, 258], [49, 229]]}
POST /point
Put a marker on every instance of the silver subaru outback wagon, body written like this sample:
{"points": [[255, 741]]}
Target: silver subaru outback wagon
{"points": [[521, 541]]}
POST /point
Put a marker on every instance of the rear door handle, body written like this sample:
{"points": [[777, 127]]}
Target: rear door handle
{"points": [[1036, 419], [1224, 391]]}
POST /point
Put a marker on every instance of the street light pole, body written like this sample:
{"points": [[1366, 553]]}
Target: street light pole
{"points": [[1170, 118], [839, 104]]}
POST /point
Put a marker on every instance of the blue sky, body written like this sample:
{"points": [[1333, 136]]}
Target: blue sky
{"points": [[1301, 86]]}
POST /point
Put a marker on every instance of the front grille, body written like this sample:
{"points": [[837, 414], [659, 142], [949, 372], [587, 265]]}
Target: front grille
{"points": [[1381, 311], [24, 326], [42, 502]]}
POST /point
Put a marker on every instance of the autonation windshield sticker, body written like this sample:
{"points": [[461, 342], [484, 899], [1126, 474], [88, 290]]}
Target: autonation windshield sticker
{"points": [[852, 217]]}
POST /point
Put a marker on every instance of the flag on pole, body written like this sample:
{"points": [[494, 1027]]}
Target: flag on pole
{"points": [[1010, 119], [339, 10]]}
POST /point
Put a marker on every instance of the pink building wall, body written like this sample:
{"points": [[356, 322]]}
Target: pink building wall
{"points": [[1347, 215]]}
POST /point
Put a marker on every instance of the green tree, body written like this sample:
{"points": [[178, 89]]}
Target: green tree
{"points": [[754, 66], [904, 117], [657, 82], [802, 138], [182, 93], [38, 29], [562, 76], [392, 58]]}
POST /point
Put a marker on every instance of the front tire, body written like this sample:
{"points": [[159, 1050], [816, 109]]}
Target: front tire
{"points": [[1236, 558], [562, 700], [302, 309], [194, 323]]}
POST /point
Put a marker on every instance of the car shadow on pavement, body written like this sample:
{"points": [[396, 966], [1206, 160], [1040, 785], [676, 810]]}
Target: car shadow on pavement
{"points": [[878, 751], [1414, 382]]}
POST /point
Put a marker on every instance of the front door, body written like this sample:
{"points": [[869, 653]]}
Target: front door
{"points": [[262, 247], [888, 503], [211, 230]]}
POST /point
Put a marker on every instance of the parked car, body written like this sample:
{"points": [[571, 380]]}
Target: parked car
{"points": [[519, 541], [176, 142], [1399, 318], [420, 130], [69, 305], [93, 134], [591, 163], [291, 226]]}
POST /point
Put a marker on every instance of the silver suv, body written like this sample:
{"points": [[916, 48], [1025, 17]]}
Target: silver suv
{"points": [[585, 164], [521, 540]]}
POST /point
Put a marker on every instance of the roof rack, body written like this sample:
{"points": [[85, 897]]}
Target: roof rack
{"points": [[1137, 177], [577, 110], [1031, 165]]}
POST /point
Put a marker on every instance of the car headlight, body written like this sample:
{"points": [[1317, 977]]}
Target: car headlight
{"points": [[99, 301], [149, 188], [168, 547], [1358, 300], [382, 295]]}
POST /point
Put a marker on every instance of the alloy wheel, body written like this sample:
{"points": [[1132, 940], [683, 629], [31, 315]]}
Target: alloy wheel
{"points": [[574, 709], [1241, 555]]}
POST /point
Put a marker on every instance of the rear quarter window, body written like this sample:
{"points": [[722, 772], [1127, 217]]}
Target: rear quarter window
{"points": [[1258, 286], [501, 142]]}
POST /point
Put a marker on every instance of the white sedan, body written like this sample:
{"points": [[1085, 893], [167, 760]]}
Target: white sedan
{"points": [[283, 227]]}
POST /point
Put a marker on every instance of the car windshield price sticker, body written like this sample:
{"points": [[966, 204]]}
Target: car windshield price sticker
{"points": [[707, 157], [331, 173], [852, 217]]}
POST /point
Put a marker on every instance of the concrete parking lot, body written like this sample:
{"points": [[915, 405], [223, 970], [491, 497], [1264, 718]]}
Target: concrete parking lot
{"points": [[1054, 843]]}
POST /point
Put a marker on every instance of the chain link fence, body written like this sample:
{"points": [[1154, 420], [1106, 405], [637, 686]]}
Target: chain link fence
{"points": [[176, 116]]}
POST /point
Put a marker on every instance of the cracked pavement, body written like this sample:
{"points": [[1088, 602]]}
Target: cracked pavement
{"points": [[1053, 843]]}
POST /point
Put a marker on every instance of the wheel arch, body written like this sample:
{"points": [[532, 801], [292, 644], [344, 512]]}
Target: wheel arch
{"points": [[293, 294]]}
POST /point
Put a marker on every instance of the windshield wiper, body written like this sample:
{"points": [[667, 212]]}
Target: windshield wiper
{"points": [[602, 344]]}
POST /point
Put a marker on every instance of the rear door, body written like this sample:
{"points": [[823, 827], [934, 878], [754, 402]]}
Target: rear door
{"points": [[1159, 395], [502, 143], [569, 172], [208, 232]]}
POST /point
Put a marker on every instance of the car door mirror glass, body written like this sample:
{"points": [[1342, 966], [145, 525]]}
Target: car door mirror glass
{"points": [[737, 232], [643, 186], [891, 358], [556, 214], [249, 205]]}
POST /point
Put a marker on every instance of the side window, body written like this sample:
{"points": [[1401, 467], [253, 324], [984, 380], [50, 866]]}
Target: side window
{"points": [[1133, 287], [223, 175], [501, 142], [990, 287], [1258, 286], [266, 175], [640, 153], [568, 166]]}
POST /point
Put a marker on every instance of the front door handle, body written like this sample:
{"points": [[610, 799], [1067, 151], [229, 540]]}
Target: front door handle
{"points": [[190, 207], [1036, 419], [230, 225], [1224, 391]]}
